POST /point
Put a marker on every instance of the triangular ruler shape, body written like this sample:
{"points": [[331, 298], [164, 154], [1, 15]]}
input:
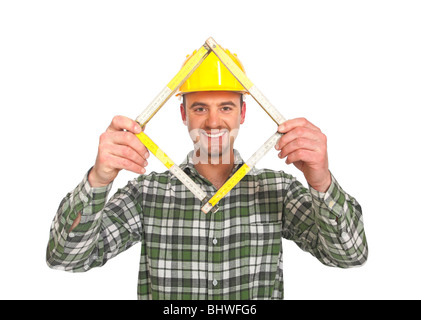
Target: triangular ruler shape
{"points": [[208, 203]]}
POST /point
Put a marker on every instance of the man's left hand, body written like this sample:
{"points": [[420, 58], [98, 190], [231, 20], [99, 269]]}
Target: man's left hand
{"points": [[304, 145]]}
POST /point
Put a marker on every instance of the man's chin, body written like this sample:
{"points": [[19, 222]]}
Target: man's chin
{"points": [[213, 156]]}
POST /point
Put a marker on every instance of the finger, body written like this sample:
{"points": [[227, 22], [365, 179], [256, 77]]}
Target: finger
{"points": [[297, 144], [300, 155], [129, 139], [126, 164], [120, 123], [296, 133], [128, 153], [294, 123]]}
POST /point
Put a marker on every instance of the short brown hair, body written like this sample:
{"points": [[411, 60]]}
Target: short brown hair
{"points": [[241, 100]]}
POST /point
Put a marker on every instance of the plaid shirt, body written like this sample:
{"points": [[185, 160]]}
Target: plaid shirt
{"points": [[235, 253]]}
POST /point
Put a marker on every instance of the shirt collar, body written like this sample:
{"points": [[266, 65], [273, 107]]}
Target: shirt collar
{"points": [[188, 165], [188, 161]]}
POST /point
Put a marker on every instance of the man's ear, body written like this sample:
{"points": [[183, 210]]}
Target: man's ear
{"points": [[183, 114], [243, 112]]}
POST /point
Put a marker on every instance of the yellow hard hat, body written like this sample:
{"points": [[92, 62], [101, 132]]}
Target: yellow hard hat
{"points": [[212, 75]]}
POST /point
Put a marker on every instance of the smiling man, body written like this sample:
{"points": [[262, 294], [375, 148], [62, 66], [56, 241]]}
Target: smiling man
{"points": [[234, 253], [213, 120]]}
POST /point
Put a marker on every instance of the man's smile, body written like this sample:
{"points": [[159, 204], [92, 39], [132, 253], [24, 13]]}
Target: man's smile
{"points": [[214, 133]]}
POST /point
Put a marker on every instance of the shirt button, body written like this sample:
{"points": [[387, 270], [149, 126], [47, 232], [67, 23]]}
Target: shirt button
{"points": [[214, 283], [214, 241], [71, 235]]}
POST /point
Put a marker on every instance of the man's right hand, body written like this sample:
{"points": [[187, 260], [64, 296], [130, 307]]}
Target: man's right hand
{"points": [[119, 148]]}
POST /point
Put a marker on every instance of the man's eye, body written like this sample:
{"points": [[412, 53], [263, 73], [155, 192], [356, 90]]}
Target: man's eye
{"points": [[226, 108], [200, 109]]}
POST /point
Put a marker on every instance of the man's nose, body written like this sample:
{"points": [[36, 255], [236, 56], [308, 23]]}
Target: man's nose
{"points": [[213, 120]]}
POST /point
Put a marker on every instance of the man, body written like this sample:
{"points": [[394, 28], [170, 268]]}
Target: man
{"points": [[235, 253]]}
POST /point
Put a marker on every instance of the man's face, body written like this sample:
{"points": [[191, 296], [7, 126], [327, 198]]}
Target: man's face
{"points": [[213, 119]]}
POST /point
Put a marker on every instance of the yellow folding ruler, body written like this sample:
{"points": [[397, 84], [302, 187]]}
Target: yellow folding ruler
{"points": [[208, 204]]}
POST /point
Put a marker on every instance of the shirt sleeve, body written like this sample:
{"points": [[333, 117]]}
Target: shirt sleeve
{"points": [[328, 224], [105, 228]]}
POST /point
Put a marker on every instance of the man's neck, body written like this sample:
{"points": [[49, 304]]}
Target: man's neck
{"points": [[217, 172]]}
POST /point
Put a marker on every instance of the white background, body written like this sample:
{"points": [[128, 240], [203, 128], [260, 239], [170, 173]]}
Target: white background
{"points": [[353, 68]]}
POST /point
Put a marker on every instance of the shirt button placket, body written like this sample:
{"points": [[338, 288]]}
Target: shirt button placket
{"points": [[214, 256], [210, 264], [215, 242]]}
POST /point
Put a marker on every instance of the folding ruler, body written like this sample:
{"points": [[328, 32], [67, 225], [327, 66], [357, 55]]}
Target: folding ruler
{"points": [[208, 203]]}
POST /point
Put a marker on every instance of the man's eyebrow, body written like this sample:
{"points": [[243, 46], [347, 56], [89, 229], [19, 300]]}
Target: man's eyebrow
{"points": [[203, 104], [227, 103], [198, 103]]}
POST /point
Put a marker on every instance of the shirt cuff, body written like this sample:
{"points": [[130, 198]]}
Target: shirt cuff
{"points": [[331, 202], [91, 200]]}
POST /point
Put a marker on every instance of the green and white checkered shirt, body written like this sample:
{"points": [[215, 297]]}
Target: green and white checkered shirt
{"points": [[235, 253]]}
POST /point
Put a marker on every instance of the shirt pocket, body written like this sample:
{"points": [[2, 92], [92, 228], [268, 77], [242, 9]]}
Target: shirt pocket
{"points": [[265, 258]]}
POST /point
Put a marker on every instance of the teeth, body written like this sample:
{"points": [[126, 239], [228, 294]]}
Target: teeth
{"points": [[214, 135]]}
